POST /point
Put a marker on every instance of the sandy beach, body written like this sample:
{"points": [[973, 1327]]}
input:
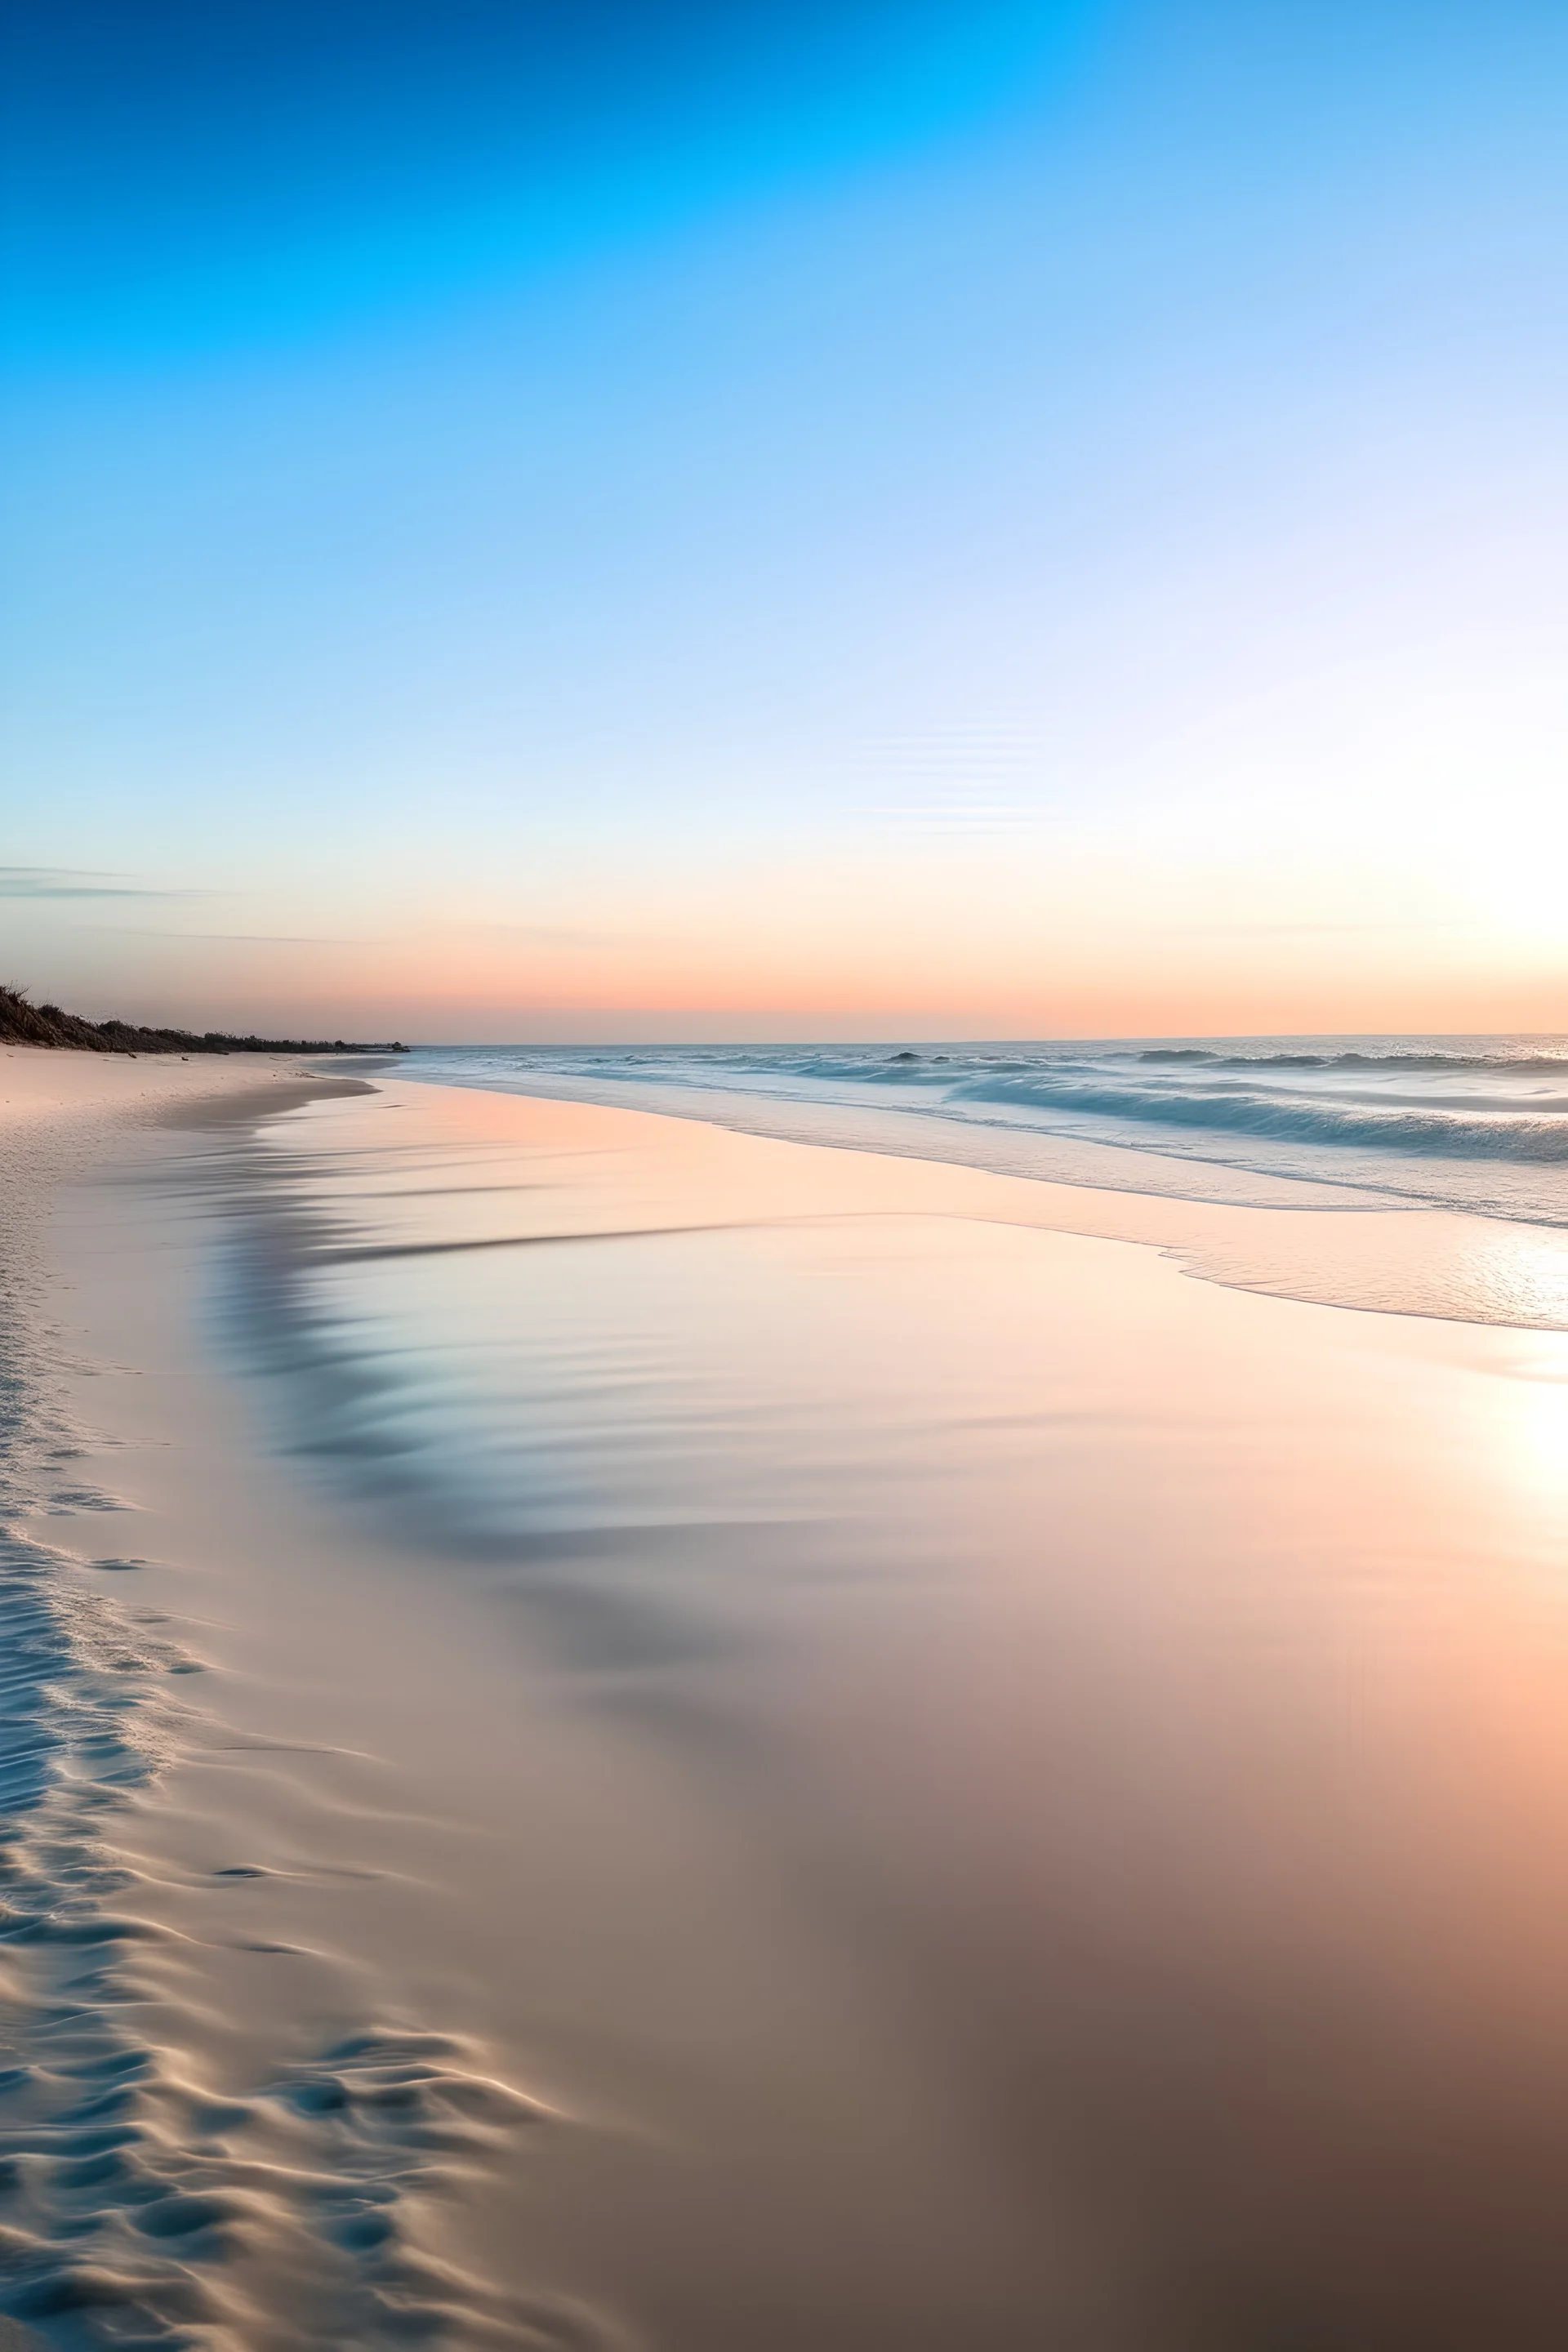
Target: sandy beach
{"points": [[784, 1177], [624, 1735]]}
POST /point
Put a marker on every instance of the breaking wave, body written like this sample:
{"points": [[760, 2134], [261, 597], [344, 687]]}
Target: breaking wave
{"points": [[1497, 1133]]}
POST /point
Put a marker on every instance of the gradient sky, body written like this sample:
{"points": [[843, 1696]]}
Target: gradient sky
{"points": [[720, 517]]}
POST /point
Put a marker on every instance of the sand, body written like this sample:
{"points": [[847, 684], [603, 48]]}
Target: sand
{"points": [[675, 1739], [41, 1085]]}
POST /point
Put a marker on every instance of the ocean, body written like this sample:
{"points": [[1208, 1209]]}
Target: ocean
{"points": [[1474, 1124]]}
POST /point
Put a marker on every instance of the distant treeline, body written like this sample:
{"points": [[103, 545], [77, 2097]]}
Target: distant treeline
{"points": [[23, 1024]]}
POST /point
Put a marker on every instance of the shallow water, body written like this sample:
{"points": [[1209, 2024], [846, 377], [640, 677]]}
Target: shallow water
{"points": [[967, 1790], [1478, 1124]]}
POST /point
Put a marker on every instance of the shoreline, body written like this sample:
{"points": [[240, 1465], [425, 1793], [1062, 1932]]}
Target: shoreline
{"points": [[1331, 1244], [594, 1832]]}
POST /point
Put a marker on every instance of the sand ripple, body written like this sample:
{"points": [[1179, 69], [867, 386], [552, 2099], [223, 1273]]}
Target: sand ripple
{"points": [[138, 2205]]}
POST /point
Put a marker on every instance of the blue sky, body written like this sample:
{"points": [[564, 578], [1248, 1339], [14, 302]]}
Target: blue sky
{"points": [[627, 519]]}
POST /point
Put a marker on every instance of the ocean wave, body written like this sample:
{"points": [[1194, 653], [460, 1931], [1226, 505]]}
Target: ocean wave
{"points": [[893, 1064], [934, 1067], [1476, 1124], [1194, 1088], [1508, 1064], [1240, 1111]]}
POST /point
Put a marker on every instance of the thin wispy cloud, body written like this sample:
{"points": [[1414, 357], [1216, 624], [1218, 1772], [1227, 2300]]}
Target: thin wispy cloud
{"points": [[78, 882], [233, 939]]}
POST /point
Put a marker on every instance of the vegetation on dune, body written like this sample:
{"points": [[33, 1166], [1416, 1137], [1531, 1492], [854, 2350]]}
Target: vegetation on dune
{"points": [[25, 1024]]}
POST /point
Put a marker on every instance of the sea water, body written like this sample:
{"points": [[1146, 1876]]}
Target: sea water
{"points": [[1475, 1124]]}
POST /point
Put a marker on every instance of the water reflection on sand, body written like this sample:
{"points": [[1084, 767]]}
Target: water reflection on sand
{"points": [[1020, 1800]]}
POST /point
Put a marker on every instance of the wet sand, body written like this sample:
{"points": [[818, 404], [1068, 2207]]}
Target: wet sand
{"points": [[676, 1739]]}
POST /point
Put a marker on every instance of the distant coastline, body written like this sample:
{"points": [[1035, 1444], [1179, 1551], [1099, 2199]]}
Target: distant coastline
{"points": [[25, 1024]]}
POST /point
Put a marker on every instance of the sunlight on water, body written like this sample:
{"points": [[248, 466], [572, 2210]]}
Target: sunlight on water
{"points": [[1535, 1424]]}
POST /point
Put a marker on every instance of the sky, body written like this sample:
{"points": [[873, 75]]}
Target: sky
{"points": [[721, 519]]}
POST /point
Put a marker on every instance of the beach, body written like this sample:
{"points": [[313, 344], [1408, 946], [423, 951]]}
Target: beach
{"points": [[624, 1733]]}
